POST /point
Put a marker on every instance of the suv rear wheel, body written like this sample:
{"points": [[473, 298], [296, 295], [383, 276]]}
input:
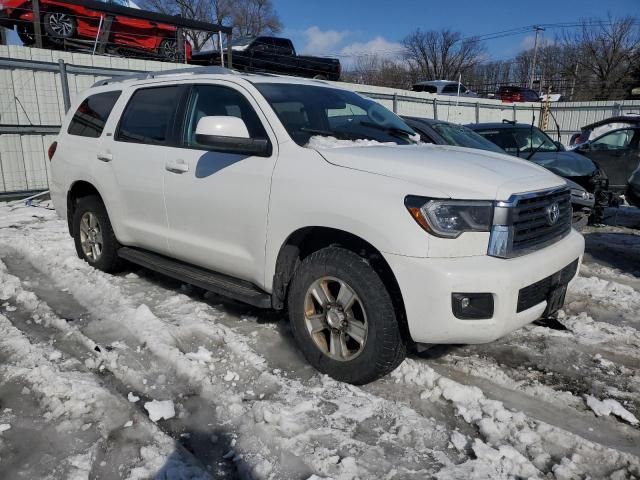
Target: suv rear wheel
{"points": [[343, 318], [95, 241]]}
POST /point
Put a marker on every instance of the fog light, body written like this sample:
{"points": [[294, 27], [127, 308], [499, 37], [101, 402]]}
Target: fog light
{"points": [[472, 306]]}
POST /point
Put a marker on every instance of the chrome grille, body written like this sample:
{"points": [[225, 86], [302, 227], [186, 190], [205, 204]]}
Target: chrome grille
{"points": [[528, 222]]}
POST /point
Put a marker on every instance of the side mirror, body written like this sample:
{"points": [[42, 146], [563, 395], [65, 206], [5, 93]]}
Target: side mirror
{"points": [[560, 146], [230, 135]]}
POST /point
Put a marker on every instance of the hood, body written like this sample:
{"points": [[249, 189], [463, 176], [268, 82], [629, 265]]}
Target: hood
{"points": [[565, 164], [446, 171]]}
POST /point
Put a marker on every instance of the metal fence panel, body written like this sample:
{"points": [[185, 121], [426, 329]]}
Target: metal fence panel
{"points": [[34, 97]]}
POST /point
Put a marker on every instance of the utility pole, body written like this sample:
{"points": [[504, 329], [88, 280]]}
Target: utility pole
{"points": [[538, 29]]}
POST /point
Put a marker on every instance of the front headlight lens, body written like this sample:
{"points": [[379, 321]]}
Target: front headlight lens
{"points": [[450, 218]]}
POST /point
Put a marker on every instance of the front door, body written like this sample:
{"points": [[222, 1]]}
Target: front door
{"points": [[218, 203], [617, 154]]}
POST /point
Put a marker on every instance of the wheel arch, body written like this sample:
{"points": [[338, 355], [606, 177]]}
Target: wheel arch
{"points": [[79, 189], [307, 240]]}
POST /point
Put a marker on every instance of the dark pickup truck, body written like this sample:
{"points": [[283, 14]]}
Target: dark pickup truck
{"points": [[273, 55]]}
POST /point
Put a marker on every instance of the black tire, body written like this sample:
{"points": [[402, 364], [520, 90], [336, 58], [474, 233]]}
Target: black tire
{"points": [[60, 25], [384, 347], [169, 50], [108, 260]]}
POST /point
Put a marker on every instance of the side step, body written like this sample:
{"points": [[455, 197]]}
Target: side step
{"points": [[215, 282]]}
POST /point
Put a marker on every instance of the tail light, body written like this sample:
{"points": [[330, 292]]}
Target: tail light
{"points": [[52, 150]]}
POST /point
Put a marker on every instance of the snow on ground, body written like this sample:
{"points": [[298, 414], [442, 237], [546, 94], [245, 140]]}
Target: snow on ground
{"points": [[138, 376]]}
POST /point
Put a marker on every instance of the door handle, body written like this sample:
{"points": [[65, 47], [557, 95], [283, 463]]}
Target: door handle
{"points": [[105, 157], [176, 167]]}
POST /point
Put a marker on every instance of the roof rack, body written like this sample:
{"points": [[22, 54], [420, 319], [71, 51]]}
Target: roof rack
{"points": [[179, 71]]}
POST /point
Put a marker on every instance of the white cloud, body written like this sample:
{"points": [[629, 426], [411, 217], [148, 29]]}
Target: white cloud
{"points": [[323, 42], [334, 43], [378, 46]]}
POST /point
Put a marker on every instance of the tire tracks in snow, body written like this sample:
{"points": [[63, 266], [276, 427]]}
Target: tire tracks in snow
{"points": [[107, 430], [343, 427], [506, 459]]}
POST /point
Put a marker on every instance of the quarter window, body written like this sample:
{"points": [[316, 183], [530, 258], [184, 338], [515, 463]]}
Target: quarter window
{"points": [[150, 116], [92, 114]]}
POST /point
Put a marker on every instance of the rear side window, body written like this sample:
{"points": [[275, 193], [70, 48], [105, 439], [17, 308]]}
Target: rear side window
{"points": [[92, 114], [150, 116], [452, 88]]}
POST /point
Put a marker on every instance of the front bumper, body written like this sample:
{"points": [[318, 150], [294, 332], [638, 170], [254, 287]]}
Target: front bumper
{"points": [[427, 284]]}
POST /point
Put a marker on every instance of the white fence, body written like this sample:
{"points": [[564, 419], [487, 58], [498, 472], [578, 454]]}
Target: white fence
{"points": [[31, 98]]}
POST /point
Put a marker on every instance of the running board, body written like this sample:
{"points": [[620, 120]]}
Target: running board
{"points": [[215, 282]]}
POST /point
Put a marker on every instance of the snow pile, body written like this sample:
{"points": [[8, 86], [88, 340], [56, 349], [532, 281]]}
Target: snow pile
{"points": [[160, 410], [610, 406], [320, 142], [536, 443], [612, 294]]}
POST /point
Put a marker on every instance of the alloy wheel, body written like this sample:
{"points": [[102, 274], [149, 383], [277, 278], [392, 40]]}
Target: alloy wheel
{"points": [[91, 236], [61, 24], [335, 319]]}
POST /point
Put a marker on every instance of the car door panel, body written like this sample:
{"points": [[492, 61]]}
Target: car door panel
{"points": [[217, 208], [138, 154], [614, 153]]}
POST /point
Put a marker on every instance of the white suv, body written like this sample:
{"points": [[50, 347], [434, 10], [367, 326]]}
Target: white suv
{"points": [[298, 195]]}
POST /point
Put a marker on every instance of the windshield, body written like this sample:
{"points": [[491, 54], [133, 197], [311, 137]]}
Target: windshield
{"points": [[308, 110], [518, 141], [464, 137]]}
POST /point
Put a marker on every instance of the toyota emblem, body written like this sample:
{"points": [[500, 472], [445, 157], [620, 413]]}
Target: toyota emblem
{"points": [[553, 213]]}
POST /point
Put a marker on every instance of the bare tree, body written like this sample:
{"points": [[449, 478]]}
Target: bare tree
{"points": [[255, 17], [212, 11], [442, 54], [248, 17], [379, 70], [604, 54]]}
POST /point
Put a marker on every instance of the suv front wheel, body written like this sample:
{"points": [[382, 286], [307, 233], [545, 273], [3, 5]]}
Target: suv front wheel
{"points": [[94, 238], [343, 318]]}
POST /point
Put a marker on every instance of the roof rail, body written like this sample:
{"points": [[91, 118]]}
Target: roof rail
{"points": [[178, 71]]}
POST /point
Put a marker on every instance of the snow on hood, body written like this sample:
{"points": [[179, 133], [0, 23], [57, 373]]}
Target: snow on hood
{"points": [[445, 171], [318, 142]]}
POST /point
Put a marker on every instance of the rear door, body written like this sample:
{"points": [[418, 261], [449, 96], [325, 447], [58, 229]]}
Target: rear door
{"points": [[617, 154], [137, 155]]}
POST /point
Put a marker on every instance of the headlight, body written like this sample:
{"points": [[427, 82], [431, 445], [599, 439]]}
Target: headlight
{"points": [[450, 218]]}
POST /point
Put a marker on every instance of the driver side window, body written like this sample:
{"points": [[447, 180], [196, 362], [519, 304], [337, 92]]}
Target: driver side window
{"points": [[616, 140], [216, 100]]}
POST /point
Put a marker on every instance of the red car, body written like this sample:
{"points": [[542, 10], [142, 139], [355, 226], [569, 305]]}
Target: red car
{"points": [[62, 20]]}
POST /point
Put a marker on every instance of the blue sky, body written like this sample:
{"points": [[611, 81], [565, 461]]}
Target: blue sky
{"points": [[348, 28], [357, 26]]}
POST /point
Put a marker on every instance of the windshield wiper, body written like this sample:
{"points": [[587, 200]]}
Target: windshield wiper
{"points": [[395, 131], [535, 150]]}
